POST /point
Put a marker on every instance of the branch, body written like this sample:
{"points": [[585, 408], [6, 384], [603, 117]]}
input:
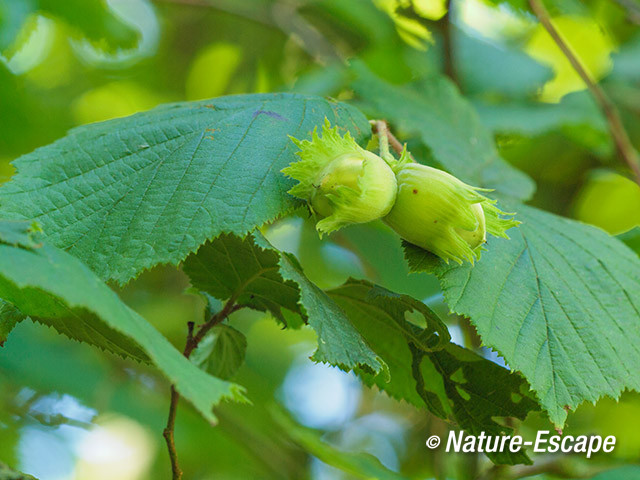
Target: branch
{"points": [[286, 18], [191, 344], [291, 22], [632, 9], [448, 47], [169, 437], [616, 128]]}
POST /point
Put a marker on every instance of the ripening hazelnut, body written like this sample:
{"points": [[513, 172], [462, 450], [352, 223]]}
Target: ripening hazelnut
{"points": [[440, 213], [342, 182]]}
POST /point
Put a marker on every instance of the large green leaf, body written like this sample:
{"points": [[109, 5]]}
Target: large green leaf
{"points": [[252, 272], [127, 194], [428, 371], [434, 111], [560, 301], [487, 67], [577, 110], [57, 289]]}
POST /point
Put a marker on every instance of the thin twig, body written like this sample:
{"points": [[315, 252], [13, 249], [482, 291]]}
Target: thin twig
{"points": [[169, 436], [632, 9], [191, 344], [310, 38], [448, 47], [285, 18], [616, 128]]}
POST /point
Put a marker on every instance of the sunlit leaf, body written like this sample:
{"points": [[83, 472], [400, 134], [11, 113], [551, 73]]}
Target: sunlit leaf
{"points": [[129, 194], [609, 201], [560, 301], [588, 41], [56, 289]]}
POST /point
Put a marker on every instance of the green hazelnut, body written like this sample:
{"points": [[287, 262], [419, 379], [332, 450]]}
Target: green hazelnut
{"points": [[476, 237], [440, 213], [342, 182]]}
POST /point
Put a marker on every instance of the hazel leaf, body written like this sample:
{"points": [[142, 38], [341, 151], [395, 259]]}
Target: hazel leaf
{"points": [[427, 370], [254, 273], [560, 302], [85, 308], [127, 194]]}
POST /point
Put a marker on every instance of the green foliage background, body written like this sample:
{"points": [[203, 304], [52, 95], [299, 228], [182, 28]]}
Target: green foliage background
{"points": [[121, 202]]}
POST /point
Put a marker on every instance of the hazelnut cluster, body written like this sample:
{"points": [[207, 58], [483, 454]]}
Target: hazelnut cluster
{"points": [[427, 207]]}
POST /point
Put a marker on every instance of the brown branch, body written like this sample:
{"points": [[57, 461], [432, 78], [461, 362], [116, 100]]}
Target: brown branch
{"points": [[169, 437], [448, 47], [191, 344], [632, 9], [616, 127]]}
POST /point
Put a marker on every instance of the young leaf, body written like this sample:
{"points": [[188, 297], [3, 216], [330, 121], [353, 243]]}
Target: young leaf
{"points": [[428, 371], [55, 288], [221, 352], [435, 112], [560, 301], [253, 273], [128, 194]]}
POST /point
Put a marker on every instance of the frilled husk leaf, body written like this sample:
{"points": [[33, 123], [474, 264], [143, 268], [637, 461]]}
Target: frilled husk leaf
{"points": [[341, 201]]}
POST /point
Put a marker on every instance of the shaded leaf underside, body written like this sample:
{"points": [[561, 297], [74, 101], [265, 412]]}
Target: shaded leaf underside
{"points": [[450, 381], [252, 272]]}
